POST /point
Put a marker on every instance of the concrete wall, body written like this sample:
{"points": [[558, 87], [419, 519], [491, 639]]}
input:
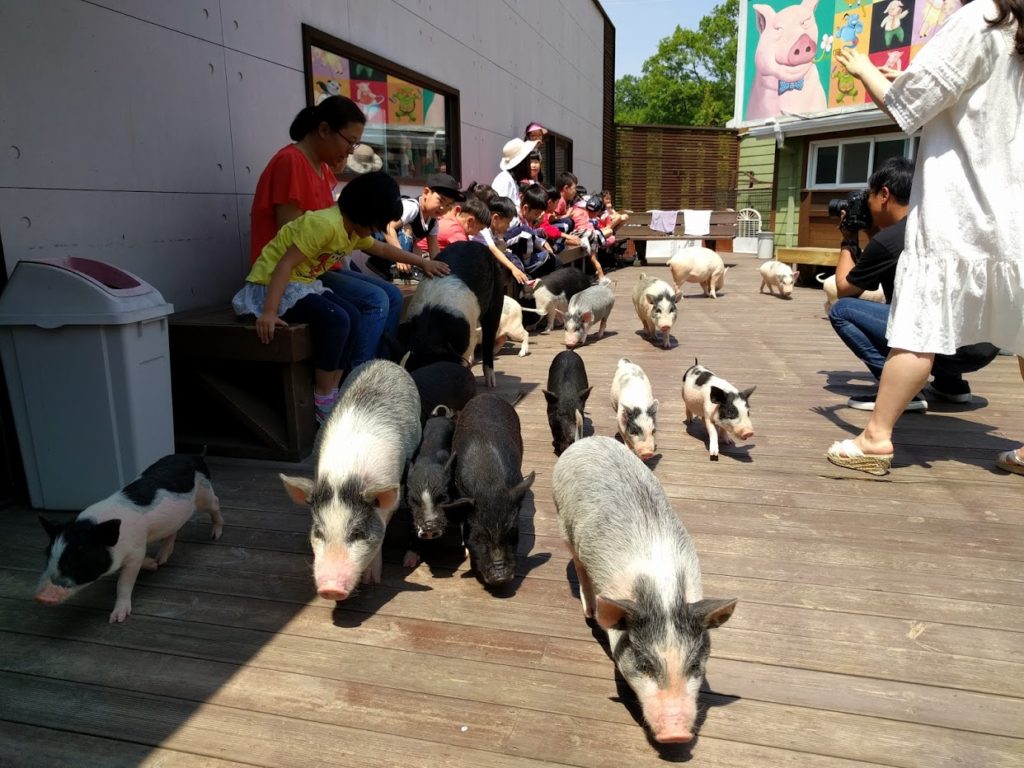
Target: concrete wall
{"points": [[134, 131]]}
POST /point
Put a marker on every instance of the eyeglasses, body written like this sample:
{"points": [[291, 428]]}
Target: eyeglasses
{"points": [[352, 144]]}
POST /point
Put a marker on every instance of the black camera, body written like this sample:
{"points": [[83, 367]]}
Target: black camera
{"points": [[858, 215]]}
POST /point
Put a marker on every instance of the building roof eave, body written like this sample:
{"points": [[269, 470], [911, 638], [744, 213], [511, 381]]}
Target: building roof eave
{"points": [[843, 119]]}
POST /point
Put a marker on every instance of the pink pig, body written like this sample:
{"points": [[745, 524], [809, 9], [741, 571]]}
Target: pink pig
{"points": [[786, 80]]}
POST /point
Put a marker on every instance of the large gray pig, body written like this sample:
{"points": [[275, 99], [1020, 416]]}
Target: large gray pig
{"points": [[639, 578], [488, 444], [587, 307], [362, 453], [655, 303]]}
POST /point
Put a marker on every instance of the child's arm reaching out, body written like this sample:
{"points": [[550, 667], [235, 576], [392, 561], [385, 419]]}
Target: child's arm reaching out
{"points": [[390, 252], [279, 278]]}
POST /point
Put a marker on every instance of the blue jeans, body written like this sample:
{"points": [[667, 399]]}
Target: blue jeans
{"points": [[861, 325], [333, 322], [378, 303]]}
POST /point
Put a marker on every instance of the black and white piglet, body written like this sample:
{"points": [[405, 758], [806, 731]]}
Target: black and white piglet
{"points": [[724, 409], [567, 393], [112, 534], [489, 445]]}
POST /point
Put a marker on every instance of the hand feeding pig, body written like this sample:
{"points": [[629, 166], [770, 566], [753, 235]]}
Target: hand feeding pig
{"points": [[587, 307], [429, 480], [443, 314], [776, 274], [553, 292], [639, 577], [362, 453], [724, 410], [698, 265], [635, 408], [566, 396], [488, 476], [444, 383], [112, 534], [828, 285], [655, 304]]}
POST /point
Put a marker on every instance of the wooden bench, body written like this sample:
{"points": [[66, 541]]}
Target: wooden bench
{"points": [[236, 396], [823, 257], [638, 228]]}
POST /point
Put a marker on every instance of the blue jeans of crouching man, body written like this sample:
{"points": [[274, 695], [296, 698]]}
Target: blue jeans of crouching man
{"points": [[861, 325]]}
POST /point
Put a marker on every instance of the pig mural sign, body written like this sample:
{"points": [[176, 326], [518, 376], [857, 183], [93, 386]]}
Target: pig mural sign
{"points": [[787, 50]]}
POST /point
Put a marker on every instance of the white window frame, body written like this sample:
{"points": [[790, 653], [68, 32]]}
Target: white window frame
{"points": [[909, 149]]}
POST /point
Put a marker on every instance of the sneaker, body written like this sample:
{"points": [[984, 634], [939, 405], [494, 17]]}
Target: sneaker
{"points": [[950, 390], [867, 403]]}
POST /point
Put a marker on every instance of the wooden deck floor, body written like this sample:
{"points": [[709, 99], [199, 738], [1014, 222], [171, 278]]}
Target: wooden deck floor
{"points": [[880, 620]]}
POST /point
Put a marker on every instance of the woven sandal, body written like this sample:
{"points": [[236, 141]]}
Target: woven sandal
{"points": [[1011, 462], [845, 453]]}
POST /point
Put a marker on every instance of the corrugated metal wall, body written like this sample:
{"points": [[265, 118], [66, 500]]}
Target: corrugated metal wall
{"points": [[664, 166]]}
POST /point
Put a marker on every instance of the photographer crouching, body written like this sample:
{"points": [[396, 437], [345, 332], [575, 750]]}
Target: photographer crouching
{"points": [[881, 210]]}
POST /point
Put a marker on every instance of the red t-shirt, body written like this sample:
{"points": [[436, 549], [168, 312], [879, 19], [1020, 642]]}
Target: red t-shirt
{"points": [[288, 178], [449, 230]]}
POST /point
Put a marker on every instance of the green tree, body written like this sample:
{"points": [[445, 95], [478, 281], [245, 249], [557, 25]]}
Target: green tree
{"points": [[690, 80]]}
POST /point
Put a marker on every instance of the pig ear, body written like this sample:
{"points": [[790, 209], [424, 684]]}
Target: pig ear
{"points": [[381, 498], [517, 492], [52, 529], [650, 298], [585, 393], [551, 397], [677, 297], [613, 614], [588, 317], [764, 14], [405, 359], [299, 488], [105, 534], [579, 427], [713, 613], [746, 393], [459, 502], [448, 464], [718, 395], [654, 408]]}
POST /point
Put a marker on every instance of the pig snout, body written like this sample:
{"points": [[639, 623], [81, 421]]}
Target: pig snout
{"points": [[800, 52], [499, 570], [336, 575], [745, 434], [51, 594], [671, 719]]}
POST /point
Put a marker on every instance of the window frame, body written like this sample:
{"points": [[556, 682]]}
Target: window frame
{"points": [[910, 144], [311, 36]]}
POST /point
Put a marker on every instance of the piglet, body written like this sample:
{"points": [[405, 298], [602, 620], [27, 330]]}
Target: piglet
{"points": [[510, 326], [444, 383], [566, 396], [361, 455], [428, 484], [593, 305], [655, 303], [724, 410], [635, 408], [776, 274], [698, 265], [553, 292], [488, 476], [828, 285], [639, 577], [112, 534]]}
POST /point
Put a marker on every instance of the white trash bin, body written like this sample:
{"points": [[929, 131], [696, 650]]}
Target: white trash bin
{"points": [[85, 355], [765, 245]]}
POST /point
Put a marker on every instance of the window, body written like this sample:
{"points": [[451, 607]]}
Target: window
{"points": [[412, 122], [847, 164]]}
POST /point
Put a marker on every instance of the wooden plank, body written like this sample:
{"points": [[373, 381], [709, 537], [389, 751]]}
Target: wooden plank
{"points": [[825, 257]]}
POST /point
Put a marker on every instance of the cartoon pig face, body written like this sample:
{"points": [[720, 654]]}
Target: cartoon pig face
{"points": [[788, 41]]}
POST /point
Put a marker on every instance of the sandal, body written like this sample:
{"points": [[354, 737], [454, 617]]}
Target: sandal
{"points": [[1011, 462], [845, 453]]}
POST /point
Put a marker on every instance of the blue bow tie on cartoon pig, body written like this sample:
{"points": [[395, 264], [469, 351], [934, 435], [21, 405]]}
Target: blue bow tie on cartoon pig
{"points": [[796, 85]]}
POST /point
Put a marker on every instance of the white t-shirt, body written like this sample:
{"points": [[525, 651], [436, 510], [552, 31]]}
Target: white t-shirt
{"points": [[484, 236], [410, 210]]}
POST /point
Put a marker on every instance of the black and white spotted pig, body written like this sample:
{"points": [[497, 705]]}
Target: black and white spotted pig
{"points": [[636, 410], [655, 303], [112, 534], [724, 409]]}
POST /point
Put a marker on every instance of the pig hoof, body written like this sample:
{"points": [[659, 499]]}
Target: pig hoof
{"points": [[489, 378], [411, 560], [120, 613], [714, 457], [217, 531], [149, 564]]}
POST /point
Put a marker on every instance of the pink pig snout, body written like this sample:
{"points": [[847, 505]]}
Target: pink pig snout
{"points": [[336, 575], [744, 434], [333, 590], [671, 721], [800, 52]]}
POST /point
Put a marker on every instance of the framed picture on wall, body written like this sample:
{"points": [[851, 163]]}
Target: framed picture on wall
{"points": [[412, 122]]}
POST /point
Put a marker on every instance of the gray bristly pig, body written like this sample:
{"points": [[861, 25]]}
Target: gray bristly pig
{"points": [[587, 307], [724, 410], [776, 274], [429, 480], [362, 453], [655, 303], [635, 408], [639, 577], [488, 476], [112, 534], [566, 395]]}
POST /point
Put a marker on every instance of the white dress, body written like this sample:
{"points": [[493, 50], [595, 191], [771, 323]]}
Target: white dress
{"points": [[960, 279]]}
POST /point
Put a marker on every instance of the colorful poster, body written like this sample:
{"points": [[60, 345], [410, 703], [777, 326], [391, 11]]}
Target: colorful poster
{"points": [[405, 102], [791, 44], [330, 74], [371, 96]]}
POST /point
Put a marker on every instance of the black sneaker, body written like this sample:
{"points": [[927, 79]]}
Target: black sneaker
{"points": [[867, 403], [950, 390]]}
